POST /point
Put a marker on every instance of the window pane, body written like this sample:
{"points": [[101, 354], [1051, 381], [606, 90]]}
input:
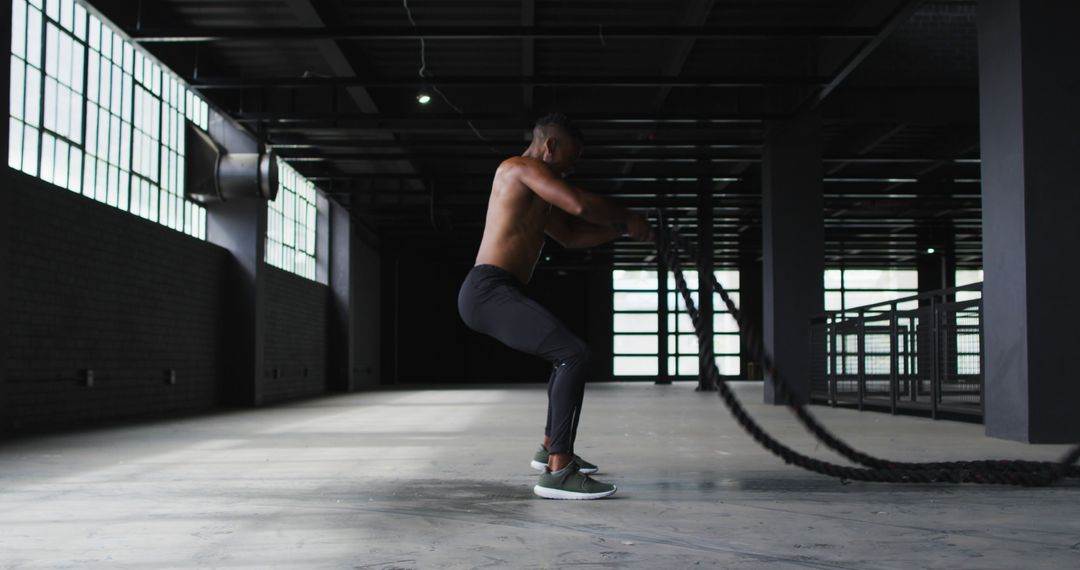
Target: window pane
{"points": [[680, 322], [638, 280], [832, 278], [728, 278], [726, 344], [675, 300], [14, 143], [635, 366], [682, 344], [48, 150], [720, 306], [635, 301], [635, 344], [860, 298], [33, 37], [690, 277], [18, 28], [688, 365], [725, 323], [18, 87], [30, 150], [635, 323], [33, 97], [968, 276], [728, 365], [881, 279]]}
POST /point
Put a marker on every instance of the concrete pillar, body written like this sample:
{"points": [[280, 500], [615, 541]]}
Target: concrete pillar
{"points": [[1030, 140], [367, 311], [339, 320], [240, 226], [662, 376], [793, 242], [750, 311], [705, 259], [354, 280]]}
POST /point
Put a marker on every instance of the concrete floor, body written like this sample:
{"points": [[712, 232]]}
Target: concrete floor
{"points": [[440, 479]]}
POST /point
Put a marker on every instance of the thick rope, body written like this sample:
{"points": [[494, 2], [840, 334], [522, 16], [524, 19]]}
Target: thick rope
{"points": [[1002, 472]]}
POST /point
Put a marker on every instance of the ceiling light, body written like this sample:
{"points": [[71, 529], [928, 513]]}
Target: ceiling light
{"points": [[930, 250], [423, 97]]}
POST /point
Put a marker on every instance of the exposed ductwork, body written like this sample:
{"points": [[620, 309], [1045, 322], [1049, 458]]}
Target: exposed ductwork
{"points": [[214, 175]]}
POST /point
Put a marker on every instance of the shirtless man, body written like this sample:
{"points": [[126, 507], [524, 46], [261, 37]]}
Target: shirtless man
{"points": [[529, 199]]}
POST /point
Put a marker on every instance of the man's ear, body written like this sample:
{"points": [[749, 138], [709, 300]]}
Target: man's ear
{"points": [[550, 144]]}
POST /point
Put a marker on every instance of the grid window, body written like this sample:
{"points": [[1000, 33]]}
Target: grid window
{"points": [[27, 47], [94, 114], [291, 224], [636, 323], [636, 339], [850, 288]]}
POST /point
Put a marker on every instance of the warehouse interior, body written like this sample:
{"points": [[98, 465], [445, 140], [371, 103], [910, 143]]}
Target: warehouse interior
{"points": [[233, 235]]}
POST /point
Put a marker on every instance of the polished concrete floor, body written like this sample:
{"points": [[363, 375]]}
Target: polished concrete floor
{"points": [[440, 479]]}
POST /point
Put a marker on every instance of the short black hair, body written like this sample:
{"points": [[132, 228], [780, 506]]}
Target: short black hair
{"points": [[563, 122]]}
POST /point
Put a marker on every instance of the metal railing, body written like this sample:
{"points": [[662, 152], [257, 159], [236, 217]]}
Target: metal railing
{"points": [[922, 352]]}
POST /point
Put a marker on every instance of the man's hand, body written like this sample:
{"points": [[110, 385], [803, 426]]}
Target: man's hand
{"points": [[638, 228]]}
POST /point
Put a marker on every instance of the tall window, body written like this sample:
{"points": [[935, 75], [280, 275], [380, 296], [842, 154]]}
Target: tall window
{"points": [[291, 224], [95, 114], [636, 324]]}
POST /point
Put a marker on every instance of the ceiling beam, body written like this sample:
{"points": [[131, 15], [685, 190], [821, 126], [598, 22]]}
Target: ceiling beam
{"points": [[480, 32], [687, 154], [650, 81], [444, 145], [290, 115]]}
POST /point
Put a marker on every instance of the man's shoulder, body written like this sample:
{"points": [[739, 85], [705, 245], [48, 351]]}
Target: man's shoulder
{"points": [[513, 163], [522, 163]]}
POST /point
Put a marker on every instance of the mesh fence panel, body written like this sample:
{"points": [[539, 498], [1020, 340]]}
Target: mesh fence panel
{"points": [[927, 358]]}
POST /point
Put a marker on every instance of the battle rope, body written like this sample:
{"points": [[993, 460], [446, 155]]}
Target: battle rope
{"points": [[1002, 472]]}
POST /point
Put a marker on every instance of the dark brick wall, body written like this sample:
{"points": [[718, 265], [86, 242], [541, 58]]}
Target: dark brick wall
{"points": [[295, 336], [91, 287]]}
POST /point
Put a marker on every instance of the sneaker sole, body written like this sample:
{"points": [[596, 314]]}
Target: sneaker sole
{"points": [[541, 466], [549, 493]]}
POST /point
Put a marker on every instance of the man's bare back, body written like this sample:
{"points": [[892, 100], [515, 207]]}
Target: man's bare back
{"points": [[515, 222]]}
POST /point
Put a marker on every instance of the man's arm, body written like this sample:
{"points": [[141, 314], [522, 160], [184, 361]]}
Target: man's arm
{"points": [[575, 233], [594, 209]]}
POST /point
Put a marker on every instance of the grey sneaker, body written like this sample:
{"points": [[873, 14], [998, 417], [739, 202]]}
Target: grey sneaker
{"points": [[540, 462], [571, 483]]}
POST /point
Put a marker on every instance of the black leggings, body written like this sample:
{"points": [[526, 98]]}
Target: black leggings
{"points": [[493, 302]]}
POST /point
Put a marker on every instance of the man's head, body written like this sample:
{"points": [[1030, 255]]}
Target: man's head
{"points": [[558, 142]]}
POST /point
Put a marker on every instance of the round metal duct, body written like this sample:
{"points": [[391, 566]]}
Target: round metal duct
{"points": [[250, 175]]}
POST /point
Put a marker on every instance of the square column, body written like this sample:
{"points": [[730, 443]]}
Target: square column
{"points": [[793, 247], [1030, 140]]}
